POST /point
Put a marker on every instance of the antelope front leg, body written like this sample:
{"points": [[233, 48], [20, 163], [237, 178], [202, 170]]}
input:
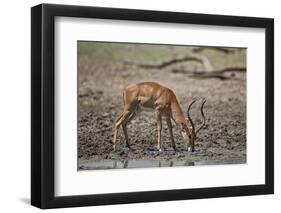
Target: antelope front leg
{"points": [[171, 132], [159, 129]]}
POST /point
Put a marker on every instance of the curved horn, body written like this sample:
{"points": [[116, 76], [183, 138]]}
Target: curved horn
{"points": [[202, 113], [188, 115]]}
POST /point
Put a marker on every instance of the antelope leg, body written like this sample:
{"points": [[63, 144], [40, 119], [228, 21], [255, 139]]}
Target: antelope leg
{"points": [[171, 132], [116, 126], [159, 129]]}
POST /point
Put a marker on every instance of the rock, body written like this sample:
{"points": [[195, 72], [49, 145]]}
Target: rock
{"points": [[210, 154], [105, 114], [208, 145]]}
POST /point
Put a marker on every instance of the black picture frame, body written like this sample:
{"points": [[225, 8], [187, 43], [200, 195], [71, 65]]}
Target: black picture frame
{"points": [[43, 105]]}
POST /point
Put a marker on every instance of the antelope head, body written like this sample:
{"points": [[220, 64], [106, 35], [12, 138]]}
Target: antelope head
{"points": [[192, 131]]}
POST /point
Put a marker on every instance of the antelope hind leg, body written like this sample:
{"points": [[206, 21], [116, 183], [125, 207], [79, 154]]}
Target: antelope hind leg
{"points": [[159, 129], [116, 126], [124, 126]]}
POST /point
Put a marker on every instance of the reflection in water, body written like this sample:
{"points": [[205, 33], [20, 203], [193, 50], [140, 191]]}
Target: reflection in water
{"points": [[189, 163], [171, 164], [115, 164], [126, 164]]}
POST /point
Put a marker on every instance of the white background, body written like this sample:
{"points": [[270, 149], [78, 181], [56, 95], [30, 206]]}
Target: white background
{"points": [[15, 105]]}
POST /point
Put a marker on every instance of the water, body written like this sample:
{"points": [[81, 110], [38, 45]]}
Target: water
{"points": [[115, 164]]}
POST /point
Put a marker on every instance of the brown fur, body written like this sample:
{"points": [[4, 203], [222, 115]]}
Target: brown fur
{"points": [[159, 98]]}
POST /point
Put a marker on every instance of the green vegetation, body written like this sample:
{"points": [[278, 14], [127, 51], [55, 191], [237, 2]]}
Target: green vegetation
{"points": [[154, 53]]}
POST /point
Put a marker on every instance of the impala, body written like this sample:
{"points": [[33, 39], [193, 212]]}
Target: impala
{"points": [[164, 102]]}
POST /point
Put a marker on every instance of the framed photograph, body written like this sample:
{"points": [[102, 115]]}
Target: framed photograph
{"points": [[139, 106]]}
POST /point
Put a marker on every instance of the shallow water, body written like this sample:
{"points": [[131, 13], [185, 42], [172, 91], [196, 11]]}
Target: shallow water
{"points": [[115, 164]]}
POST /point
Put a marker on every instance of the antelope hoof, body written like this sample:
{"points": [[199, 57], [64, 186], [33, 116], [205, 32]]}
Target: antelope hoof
{"points": [[159, 149], [128, 145]]}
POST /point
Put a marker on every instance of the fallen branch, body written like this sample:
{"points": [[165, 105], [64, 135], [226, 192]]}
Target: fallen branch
{"points": [[224, 70], [219, 73], [220, 49], [212, 75], [207, 72]]}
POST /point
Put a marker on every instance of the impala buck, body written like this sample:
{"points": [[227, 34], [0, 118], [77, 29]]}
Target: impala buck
{"points": [[164, 102]]}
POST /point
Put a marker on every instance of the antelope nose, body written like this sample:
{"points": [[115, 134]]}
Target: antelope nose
{"points": [[189, 149]]}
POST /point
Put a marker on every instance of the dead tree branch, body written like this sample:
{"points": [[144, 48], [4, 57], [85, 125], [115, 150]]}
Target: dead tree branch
{"points": [[207, 72], [220, 49], [219, 73]]}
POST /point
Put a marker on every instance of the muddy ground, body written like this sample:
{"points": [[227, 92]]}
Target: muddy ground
{"points": [[103, 74]]}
